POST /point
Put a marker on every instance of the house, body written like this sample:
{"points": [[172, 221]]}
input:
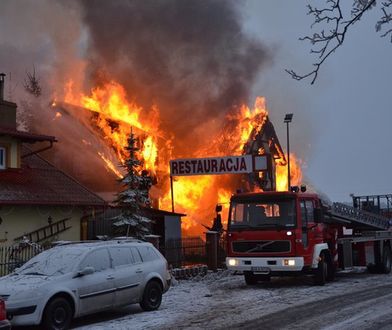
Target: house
{"points": [[37, 200], [264, 141]]}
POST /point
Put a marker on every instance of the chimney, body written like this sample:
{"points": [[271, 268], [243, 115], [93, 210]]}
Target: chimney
{"points": [[2, 75], [7, 109]]}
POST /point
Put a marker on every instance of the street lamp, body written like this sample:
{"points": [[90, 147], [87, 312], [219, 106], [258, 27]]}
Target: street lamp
{"points": [[287, 120]]}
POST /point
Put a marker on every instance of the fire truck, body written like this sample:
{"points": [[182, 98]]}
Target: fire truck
{"points": [[295, 232]]}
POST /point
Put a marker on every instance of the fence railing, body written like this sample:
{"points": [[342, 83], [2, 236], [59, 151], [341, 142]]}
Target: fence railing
{"points": [[183, 252], [12, 257], [190, 251]]}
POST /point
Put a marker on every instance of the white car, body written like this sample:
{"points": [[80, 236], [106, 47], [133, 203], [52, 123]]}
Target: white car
{"points": [[71, 280]]}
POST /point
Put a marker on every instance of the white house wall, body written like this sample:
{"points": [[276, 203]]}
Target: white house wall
{"points": [[19, 220]]}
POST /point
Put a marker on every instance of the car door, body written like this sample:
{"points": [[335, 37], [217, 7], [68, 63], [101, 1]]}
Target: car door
{"points": [[127, 275], [308, 228], [96, 290]]}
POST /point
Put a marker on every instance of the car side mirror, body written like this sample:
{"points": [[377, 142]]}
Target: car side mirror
{"points": [[318, 215], [85, 271]]}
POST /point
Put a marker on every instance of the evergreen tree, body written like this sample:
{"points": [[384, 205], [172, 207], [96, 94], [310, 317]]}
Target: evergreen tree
{"points": [[135, 194]]}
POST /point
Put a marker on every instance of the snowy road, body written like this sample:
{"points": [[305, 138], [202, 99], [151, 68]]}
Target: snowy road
{"points": [[222, 300]]}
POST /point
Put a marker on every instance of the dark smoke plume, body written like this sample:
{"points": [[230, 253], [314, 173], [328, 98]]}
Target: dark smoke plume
{"points": [[189, 57]]}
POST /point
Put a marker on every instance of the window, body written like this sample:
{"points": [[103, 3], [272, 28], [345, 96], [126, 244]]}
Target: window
{"points": [[237, 213], [307, 212], [121, 256], [98, 259], [148, 254], [303, 213], [263, 213], [136, 255], [2, 158]]}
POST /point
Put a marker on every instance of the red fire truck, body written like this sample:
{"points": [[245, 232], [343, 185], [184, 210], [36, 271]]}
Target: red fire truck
{"points": [[287, 233]]}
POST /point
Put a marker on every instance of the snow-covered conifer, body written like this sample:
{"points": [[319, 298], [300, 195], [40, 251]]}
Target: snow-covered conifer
{"points": [[137, 184]]}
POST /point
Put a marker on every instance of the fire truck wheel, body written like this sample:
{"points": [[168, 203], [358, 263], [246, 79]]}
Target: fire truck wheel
{"points": [[321, 273], [331, 269], [250, 278], [386, 260]]}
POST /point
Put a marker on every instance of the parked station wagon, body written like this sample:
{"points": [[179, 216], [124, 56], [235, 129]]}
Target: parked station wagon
{"points": [[72, 280]]}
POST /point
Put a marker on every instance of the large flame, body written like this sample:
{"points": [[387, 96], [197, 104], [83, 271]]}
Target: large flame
{"points": [[114, 115], [295, 174]]}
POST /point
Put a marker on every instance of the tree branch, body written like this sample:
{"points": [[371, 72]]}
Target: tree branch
{"points": [[327, 41], [32, 84]]}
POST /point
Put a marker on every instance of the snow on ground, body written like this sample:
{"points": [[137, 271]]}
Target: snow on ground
{"points": [[223, 299]]}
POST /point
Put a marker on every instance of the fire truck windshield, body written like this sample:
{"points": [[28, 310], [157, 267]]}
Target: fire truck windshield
{"points": [[261, 215]]}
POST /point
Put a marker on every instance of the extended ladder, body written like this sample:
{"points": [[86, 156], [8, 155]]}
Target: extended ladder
{"points": [[349, 215]]}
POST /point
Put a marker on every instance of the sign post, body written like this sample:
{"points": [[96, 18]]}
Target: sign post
{"points": [[172, 192]]}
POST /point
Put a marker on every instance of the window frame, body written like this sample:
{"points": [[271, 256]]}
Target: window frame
{"points": [[88, 255], [3, 150]]}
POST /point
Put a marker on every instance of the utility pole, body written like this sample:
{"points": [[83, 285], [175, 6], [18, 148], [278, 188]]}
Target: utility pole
{"points": [[287, 119]]}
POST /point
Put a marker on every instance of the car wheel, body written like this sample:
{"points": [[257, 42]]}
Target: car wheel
{"points": [[152, 296], [57, 314]]}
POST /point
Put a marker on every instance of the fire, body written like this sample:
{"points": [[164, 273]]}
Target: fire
{"points": [[247, 120], [114, 114], [150, 153], [110, 165], [295, 174], [189, 193], [111, 100]]}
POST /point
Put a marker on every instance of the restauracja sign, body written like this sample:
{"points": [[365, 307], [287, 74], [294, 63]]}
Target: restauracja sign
{"points": [[218, 165]]}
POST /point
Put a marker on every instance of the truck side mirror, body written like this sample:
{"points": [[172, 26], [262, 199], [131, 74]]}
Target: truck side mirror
{"points": [[218, 208], [318, 215]]}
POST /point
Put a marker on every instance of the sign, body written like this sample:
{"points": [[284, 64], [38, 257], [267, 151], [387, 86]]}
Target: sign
{"points": [[218, 165]]}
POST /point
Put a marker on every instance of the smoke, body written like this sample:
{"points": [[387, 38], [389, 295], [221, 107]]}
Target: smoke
{"points": [[44, 35], [190, 58]]}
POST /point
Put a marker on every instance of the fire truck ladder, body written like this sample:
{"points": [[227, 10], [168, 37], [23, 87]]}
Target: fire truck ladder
{"points": [[349, 215]]}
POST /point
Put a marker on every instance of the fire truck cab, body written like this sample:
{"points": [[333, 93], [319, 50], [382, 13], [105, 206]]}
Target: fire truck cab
{"points": [[279, 233]]}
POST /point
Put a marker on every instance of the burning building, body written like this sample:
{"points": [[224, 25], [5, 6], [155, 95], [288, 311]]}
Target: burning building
{"points": [[107, 116], [180, 73]]}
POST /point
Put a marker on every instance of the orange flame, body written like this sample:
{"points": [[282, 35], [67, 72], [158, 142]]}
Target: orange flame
{"points": [[110, 165], [295, 174], [114, 114]]}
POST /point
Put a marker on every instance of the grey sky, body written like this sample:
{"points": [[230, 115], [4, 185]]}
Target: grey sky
{"points": [[342, 123]]}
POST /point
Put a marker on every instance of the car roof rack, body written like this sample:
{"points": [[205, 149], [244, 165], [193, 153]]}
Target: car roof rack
{"points": [[105, 240]]}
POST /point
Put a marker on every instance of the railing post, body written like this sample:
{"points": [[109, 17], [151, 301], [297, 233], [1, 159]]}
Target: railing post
{"points": [[212, 249]]}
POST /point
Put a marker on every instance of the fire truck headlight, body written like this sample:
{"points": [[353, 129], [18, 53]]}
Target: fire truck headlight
{"points": [[232, 262], [288, 262]]}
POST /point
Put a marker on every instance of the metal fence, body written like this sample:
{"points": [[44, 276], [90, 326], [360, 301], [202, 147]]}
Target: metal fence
{"points": [[183, 252], [12, 257], [190, 251]]}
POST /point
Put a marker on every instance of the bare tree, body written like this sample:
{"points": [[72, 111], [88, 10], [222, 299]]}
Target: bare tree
{"points": [[32, 84], [335, 26]]}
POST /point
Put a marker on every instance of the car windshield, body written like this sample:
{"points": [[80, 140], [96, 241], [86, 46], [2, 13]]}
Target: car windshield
{"points": [[55, 261], [265, 214]]}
